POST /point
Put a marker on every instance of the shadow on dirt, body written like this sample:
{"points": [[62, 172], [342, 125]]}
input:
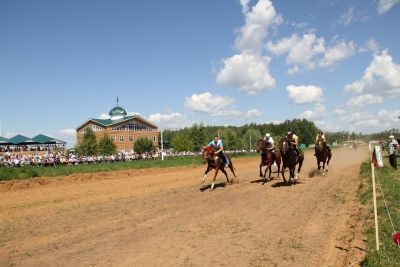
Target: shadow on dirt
{"points": [[282, 183], [204, 188], [312, 173], [261, 180]]}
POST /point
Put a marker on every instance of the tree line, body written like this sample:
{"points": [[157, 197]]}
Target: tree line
{"points": [[245, 137], [237, 137]]}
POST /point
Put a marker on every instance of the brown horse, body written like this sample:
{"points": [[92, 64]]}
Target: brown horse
{"points": [[290, 159], [323, 155], [215, 162], [268, 157]]}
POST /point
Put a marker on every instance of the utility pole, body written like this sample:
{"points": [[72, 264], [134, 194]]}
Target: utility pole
{"points": [[162, 141]]}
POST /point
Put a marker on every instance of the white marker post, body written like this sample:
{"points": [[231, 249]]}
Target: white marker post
{"points": [[376, 157], [375, 209], [162, 141]]}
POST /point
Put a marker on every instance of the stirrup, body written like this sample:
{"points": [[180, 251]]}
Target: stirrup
{"points": [[226, 165]]}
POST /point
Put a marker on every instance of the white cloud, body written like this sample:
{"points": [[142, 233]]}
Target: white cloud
{"points": [[104, 116], [366, 122], [318, 113], [217, 106], [251, 114], [385, 5], [257, 20], [67, 133], [362, 100], [389, 116], [339, 51], [370, 45], [309, 51], [339, 111], [352, 14], [247, 72], [9, 135], [304, 94], [133, 113], [207, 102], [234, 114], [382, 76], [169, 120], [347, 16]]}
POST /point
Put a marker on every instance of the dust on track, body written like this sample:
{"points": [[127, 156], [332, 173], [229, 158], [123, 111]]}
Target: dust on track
{"points": [[160, 217]]}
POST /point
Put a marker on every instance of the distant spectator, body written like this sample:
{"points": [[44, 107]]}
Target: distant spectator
{"points": [[392, 147]]}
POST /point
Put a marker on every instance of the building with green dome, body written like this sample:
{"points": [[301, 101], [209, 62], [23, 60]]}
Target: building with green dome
{"points": [[123, 129]]}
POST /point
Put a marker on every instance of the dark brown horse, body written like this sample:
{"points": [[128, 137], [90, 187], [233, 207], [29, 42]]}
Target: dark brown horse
{"points": [[290, 159], [215, 162], [268, 157], [323, 155]]}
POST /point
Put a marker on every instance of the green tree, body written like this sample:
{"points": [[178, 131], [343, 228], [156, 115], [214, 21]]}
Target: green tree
{"points": [[143, 145], [89, 146], [107, 146], [198, 136], [182, 142], [230, 139], [251, 135]]}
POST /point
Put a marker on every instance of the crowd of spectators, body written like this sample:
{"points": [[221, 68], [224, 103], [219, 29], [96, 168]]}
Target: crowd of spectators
{"points": [[54, 158]]}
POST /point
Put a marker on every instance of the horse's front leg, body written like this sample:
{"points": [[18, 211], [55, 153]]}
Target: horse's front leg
{"points": [[291, 172], [215, 177], [279, 168], [205, 175], [266, 169], [283, 173], [261, 169]]}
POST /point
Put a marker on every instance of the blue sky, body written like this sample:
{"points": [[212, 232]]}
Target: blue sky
{"points": [[223, 62]]}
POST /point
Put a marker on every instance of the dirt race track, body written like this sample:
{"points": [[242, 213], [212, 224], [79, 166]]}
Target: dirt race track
{"points": [[159, 217]]}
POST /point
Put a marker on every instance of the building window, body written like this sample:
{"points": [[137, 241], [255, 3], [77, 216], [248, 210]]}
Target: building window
{"points": [[97, 128], [130, 138], [133, 127], [113, 138], [121, 139]]}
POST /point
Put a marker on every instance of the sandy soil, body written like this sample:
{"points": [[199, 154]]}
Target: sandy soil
{"points": [[159, 217]]}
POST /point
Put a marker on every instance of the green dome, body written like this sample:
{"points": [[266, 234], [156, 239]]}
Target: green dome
{"points": [[118, 111]]}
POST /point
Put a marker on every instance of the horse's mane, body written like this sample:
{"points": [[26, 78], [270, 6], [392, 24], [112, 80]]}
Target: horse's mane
{"points": [[208, 148]]}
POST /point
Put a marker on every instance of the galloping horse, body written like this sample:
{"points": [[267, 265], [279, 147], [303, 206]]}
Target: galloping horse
{"points": [[322, 154], [290, 160], [268, 157], [217, 163]]}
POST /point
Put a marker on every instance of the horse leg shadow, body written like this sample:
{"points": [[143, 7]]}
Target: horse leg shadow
{"points": [[206, 187]]}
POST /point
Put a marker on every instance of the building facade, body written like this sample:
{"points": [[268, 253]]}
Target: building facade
{"points": [[124, 130]]}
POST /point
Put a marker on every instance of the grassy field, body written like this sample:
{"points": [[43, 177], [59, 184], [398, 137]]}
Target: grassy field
{"points": [[21, 173], [389, 253]]}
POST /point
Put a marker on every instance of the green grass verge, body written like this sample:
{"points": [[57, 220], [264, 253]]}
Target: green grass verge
{"points": [[389, 253], [22, 173]]}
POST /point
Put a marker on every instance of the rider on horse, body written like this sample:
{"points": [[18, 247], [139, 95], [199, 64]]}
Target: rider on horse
{"points": [[219, 147], [321, 136], [294, 140], [268, 138]]}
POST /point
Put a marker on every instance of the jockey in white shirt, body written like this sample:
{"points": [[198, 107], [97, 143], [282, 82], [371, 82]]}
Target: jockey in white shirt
{"points": [[268, 138]]}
